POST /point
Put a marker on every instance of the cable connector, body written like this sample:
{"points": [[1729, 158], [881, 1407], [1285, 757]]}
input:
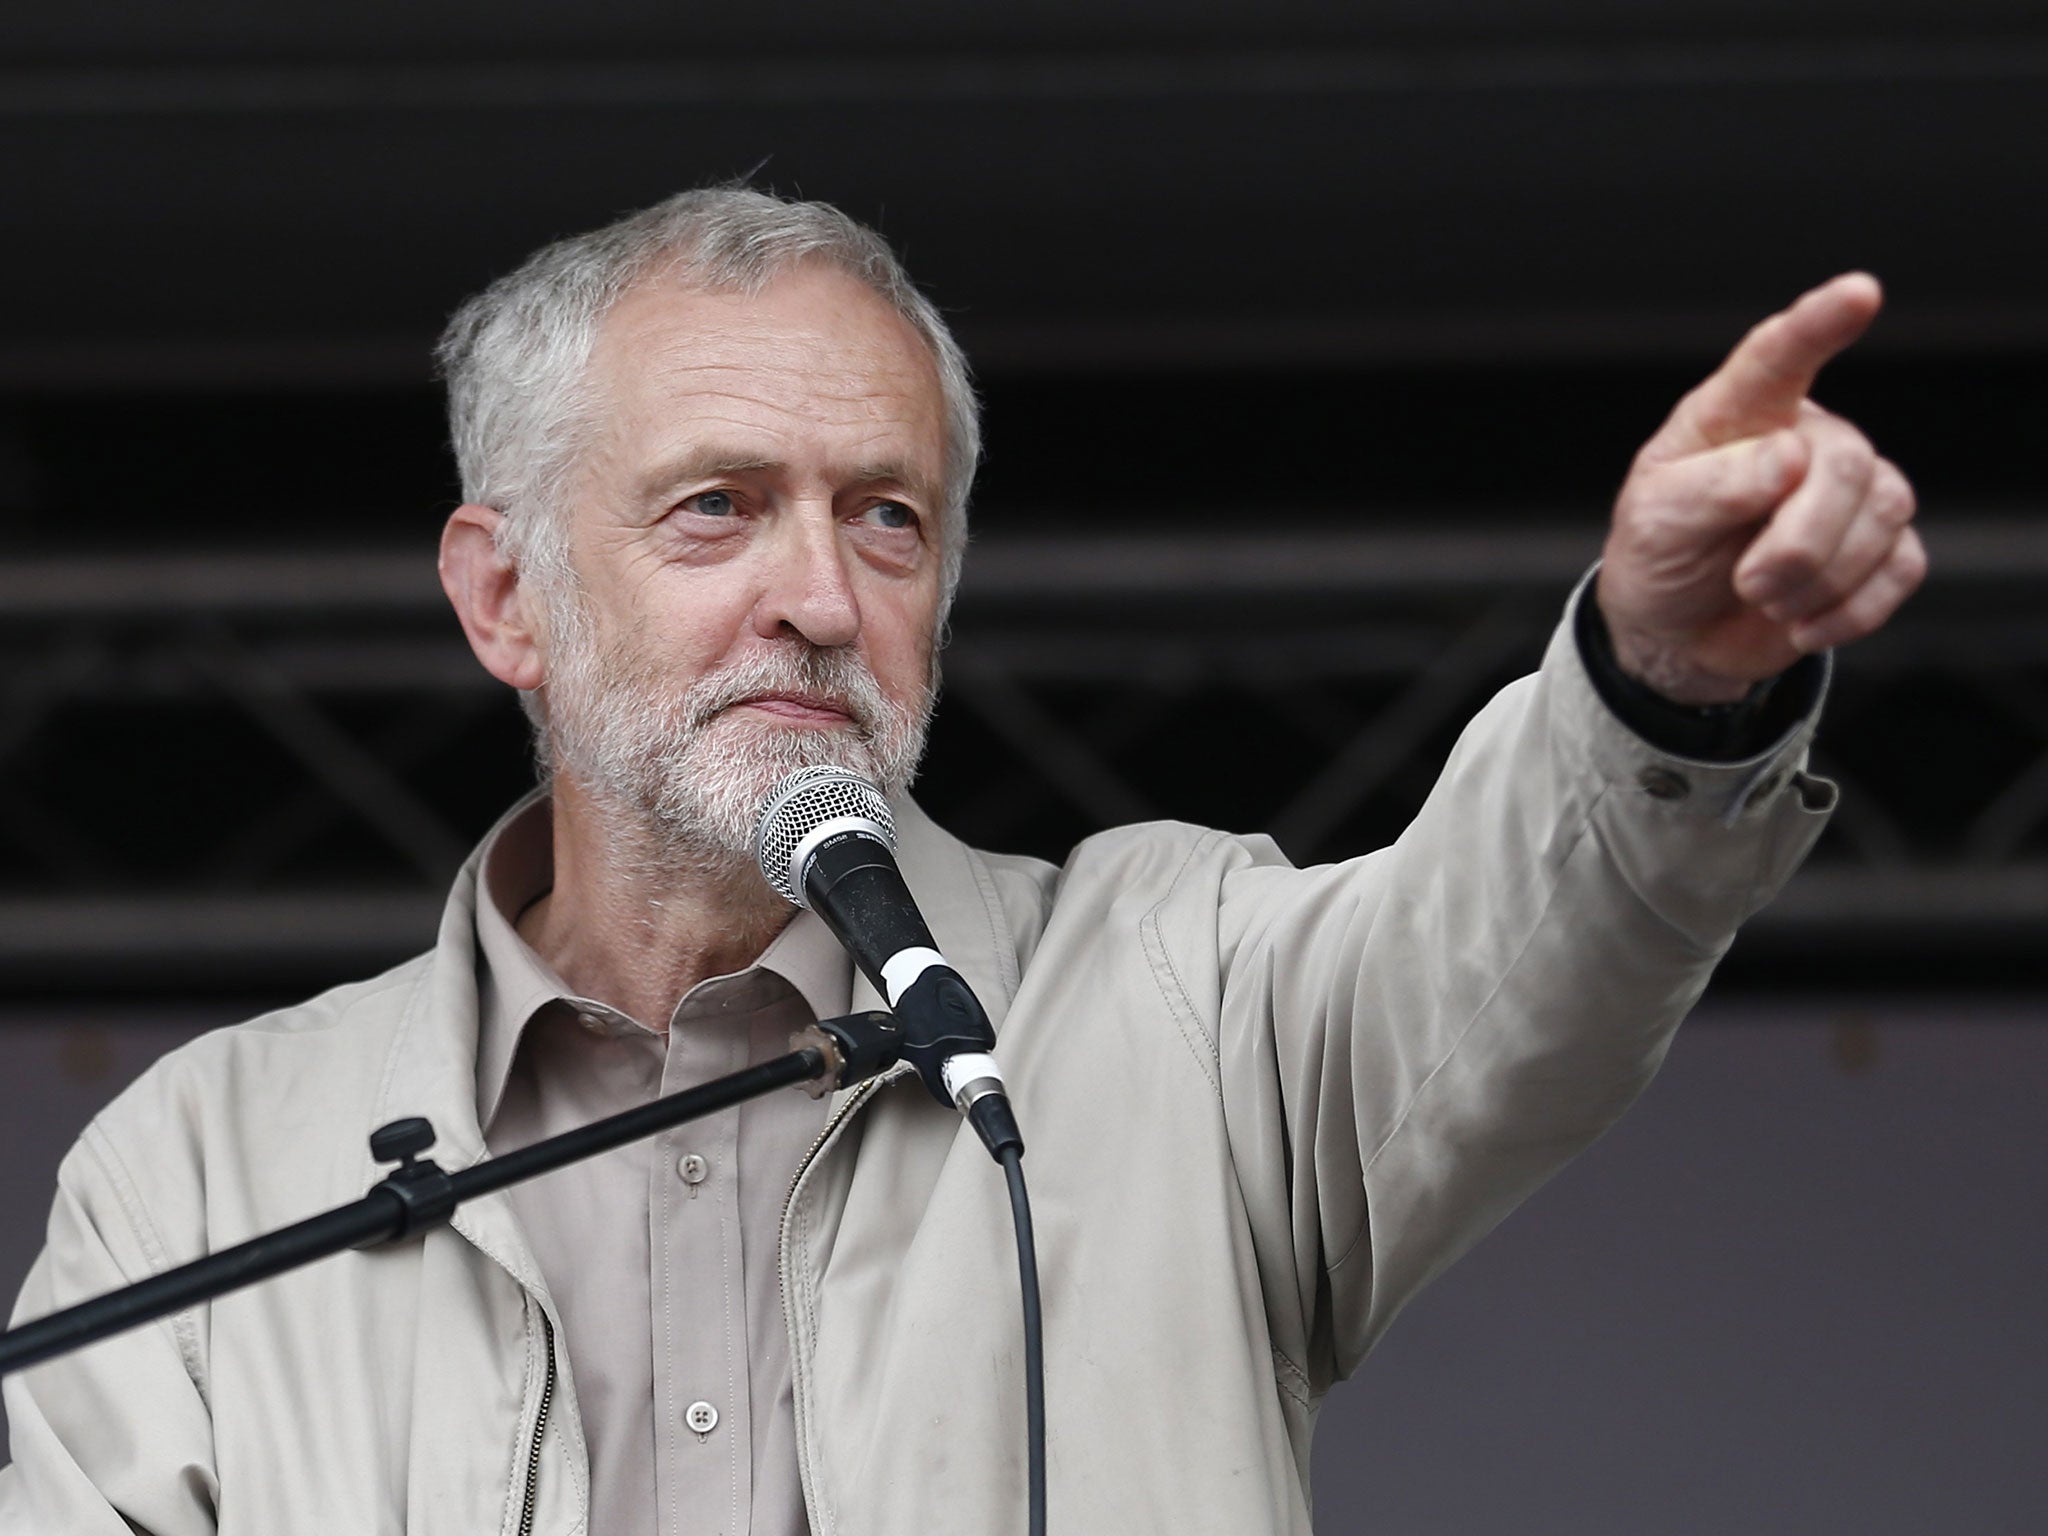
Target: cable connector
{"points": [[976, 1083]]}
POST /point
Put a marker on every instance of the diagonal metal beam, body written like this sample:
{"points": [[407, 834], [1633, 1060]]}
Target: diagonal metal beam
{"points": [[1066, 761], [1860, 820], [1997, 831], [1441, 690], [34, 691], [259, 846], [334, 757], [1110, 727]]}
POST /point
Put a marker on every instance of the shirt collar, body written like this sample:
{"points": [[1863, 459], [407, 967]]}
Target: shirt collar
{"points": [[431, 1068], [516, 868]]}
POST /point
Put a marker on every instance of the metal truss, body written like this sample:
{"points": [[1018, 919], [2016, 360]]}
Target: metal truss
{"points": [[252, 769]]}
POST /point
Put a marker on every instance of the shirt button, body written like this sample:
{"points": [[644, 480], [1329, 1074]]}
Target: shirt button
{"points": [[694, 1169], [701, 1417]]}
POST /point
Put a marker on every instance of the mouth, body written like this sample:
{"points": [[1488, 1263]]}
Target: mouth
{"points": [[798, 708]]}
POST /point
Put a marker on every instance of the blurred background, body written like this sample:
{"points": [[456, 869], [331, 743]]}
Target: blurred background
{"points": [[1314, 339]]}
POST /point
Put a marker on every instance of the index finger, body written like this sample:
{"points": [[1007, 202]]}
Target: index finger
{"points": [[1760, 386]]}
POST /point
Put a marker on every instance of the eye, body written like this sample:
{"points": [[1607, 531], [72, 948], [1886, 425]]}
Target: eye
{"points": [[890, 514], [711, 503]]}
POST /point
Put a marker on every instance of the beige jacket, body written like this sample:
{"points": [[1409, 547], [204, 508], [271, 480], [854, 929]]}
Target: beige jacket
{"points": [[1264, 1105]]}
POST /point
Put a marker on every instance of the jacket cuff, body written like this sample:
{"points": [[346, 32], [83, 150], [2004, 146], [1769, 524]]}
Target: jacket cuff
{"points": [[1714, 733], [1685, 766]]}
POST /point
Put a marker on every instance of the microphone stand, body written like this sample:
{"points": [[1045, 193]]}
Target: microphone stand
{"points": [[419, 1194]]}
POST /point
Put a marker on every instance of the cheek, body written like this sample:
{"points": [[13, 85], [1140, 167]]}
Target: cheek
{"points": [[681, 631], [900, 648]]}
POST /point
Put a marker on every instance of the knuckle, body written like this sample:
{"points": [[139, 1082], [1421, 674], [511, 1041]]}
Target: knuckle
{"points": [[1892, 494], [1798, 560], [1825, 590], [1869, 615], [1848, 460], [1870, 604], [1707, 408], [1910, 560], [1893, 508]]}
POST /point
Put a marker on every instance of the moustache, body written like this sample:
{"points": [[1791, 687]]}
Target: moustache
{"points": [[838, 679]]}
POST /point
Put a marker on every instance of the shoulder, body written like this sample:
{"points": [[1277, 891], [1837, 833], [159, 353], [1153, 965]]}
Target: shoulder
{"points": [[274, 1098], [1118, 875], [1157, 855], [338, 1027]]}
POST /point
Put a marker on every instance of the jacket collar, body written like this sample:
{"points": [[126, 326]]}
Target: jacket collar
{"points": [[952, 888], [431, 1068]]}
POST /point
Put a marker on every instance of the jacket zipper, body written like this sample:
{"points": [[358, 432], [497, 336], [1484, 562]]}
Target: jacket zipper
{"points": [[861, 1095], [540, 1428]]}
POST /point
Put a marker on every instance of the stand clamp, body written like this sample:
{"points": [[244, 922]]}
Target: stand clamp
{"points": [[424, 1191], [855, 1046]]}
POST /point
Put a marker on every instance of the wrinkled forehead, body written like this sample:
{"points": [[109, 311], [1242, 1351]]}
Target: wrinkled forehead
{"points": [[814, 350]]}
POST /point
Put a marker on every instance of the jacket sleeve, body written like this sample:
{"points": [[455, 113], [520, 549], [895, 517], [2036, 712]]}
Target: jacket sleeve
{"points": [[114, 1438], [1412, 1042]]}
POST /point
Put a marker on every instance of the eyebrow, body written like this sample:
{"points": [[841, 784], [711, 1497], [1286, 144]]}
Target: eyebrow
{"points": [[895, 472], [712, 463], [702, 464]]}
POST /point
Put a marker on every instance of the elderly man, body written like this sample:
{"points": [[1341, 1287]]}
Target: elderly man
{"points": [[717, 458]]}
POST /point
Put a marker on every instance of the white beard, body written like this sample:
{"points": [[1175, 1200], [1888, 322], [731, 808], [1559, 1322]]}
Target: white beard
{"points": [[681, 779]]}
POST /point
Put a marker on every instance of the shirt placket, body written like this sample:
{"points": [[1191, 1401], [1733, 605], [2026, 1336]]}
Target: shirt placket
{"points": [[702, 1430]]}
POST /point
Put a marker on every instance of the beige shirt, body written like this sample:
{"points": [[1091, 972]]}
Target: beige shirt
{"points": [[661, 1256]]}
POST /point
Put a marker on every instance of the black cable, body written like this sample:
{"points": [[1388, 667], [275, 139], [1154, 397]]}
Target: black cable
{"points": [[1034, 1335]]}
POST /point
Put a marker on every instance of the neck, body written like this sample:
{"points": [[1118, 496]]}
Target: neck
{"points": [[635, 923]]}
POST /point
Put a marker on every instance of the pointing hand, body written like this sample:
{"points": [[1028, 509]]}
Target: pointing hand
{"points": [[1756, 527]]}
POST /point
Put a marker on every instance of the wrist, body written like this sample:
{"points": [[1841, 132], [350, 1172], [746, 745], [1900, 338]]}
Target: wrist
{"points": [[1662, 665], [1726, 731]]}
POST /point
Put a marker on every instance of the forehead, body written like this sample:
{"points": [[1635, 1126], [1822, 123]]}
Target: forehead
{"points": [[815, 362]]}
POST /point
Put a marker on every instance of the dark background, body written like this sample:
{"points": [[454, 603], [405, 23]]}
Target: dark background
{"points": [[1314, 339]]}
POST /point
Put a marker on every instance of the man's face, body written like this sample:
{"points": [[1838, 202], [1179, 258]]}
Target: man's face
{"points": [[756, 538]]}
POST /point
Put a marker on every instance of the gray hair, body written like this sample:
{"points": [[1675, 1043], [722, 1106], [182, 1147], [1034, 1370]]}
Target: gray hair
{"points": [[516, 356]]}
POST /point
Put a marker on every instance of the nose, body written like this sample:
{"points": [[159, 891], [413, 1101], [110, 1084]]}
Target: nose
{"points": [[807, 589]]}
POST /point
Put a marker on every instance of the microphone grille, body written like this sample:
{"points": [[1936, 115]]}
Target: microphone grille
{"points": [[799, 806]]}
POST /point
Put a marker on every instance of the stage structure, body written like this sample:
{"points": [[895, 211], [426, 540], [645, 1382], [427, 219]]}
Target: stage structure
{"points": [[254, 770]]}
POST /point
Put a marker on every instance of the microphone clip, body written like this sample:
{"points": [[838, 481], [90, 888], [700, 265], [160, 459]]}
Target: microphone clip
{"points": [[948, 1038]]}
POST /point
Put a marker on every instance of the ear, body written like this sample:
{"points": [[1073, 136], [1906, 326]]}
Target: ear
{"points": [[496, 610]]}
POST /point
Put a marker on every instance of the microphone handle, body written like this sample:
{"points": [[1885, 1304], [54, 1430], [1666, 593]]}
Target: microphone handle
{"points": [[853, 883]]}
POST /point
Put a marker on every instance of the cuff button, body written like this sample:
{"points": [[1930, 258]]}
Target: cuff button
{"points": [[1663, 784]]}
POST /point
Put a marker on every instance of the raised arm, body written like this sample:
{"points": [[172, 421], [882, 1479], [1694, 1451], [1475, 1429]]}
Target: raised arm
{"points": [[1436, 1028]]}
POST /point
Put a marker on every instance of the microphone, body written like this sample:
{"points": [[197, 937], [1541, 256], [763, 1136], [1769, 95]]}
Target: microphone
{"points": [[827, 841]]}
